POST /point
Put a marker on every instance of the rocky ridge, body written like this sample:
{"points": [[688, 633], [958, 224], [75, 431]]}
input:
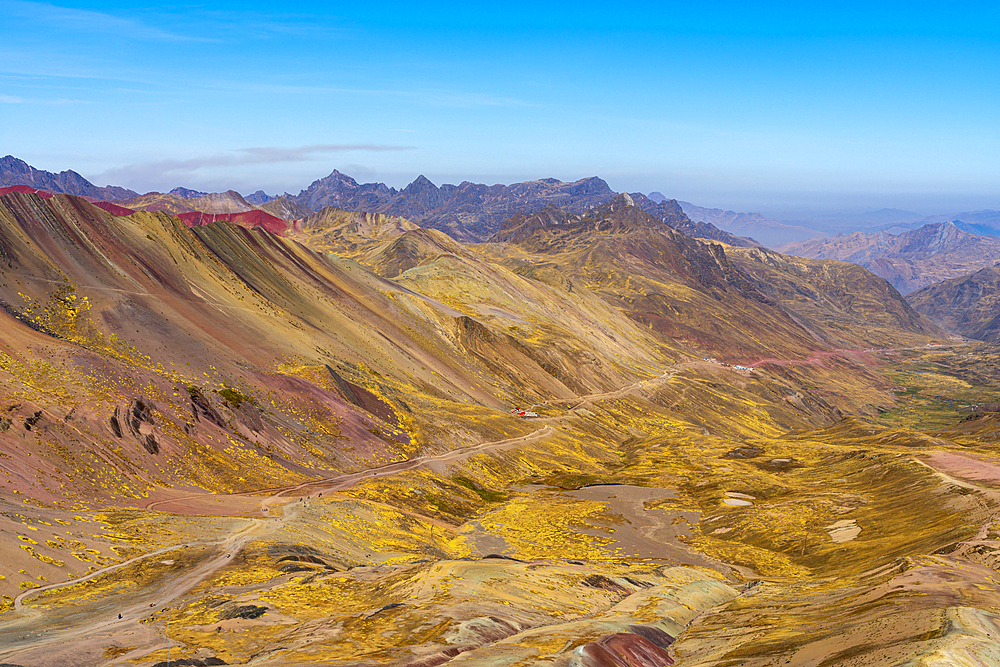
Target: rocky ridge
{"points": [[18, 172], [967, 305]]}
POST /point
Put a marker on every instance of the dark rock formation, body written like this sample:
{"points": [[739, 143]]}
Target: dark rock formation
{"points": [[249, 611], [18, 172], [190, 662], [467, 212], [29, 422], [202, 409]]}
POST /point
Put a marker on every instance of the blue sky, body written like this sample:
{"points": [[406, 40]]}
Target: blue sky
{"points": [[772, 107]]}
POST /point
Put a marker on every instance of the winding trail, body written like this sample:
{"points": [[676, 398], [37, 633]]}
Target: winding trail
{"points": [[21, 632], [978, 465], [340, 482], [819, 355], [140, 606], [25, 621], [589, 399]]}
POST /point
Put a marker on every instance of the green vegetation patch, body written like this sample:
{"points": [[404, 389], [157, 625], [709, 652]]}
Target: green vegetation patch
{"points": [[488, 495], [234, 397], [937, 388]]}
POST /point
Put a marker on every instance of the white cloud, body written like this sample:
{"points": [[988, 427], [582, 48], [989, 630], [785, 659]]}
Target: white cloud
{"points": [[163, 170]]}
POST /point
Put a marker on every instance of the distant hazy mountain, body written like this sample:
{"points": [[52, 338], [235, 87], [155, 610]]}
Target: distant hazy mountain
{"points": [[187, 192], [910, 260], [968, 305], [18, 172], [982, 230], [260, 197], [214, 202], [670, 212], [887, 216], [467, 212], [893, 220], [769, 232], [984, 217]]}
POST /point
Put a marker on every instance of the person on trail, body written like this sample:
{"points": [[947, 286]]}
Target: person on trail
{"points": [[119, 617]]}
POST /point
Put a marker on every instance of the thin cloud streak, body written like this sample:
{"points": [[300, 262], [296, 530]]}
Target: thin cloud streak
{"points": [[163, 169], [14, 99], [87, 21]]}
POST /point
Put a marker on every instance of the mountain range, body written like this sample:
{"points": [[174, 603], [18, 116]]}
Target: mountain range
{"points": [[467, 212], [910, 260], [770, 232], [18, 172], [589, 439]]}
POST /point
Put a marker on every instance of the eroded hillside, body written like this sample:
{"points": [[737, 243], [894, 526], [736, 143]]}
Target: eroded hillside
{"points": [[226, 446]]}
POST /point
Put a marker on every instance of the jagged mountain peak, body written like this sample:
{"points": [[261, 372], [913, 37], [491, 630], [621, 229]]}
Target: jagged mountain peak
{"points": [[14, 171], [421, 181], [342, 191], [421, 186], [187, 192], [620, 202], [259, 198], [618, 216]]}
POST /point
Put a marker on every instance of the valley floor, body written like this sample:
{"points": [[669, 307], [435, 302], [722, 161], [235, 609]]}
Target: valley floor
{"points": [[694, 516]]}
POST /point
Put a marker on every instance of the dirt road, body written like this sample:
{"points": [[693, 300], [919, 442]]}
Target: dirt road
{"points": [[341, 482], [22, 630]]}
